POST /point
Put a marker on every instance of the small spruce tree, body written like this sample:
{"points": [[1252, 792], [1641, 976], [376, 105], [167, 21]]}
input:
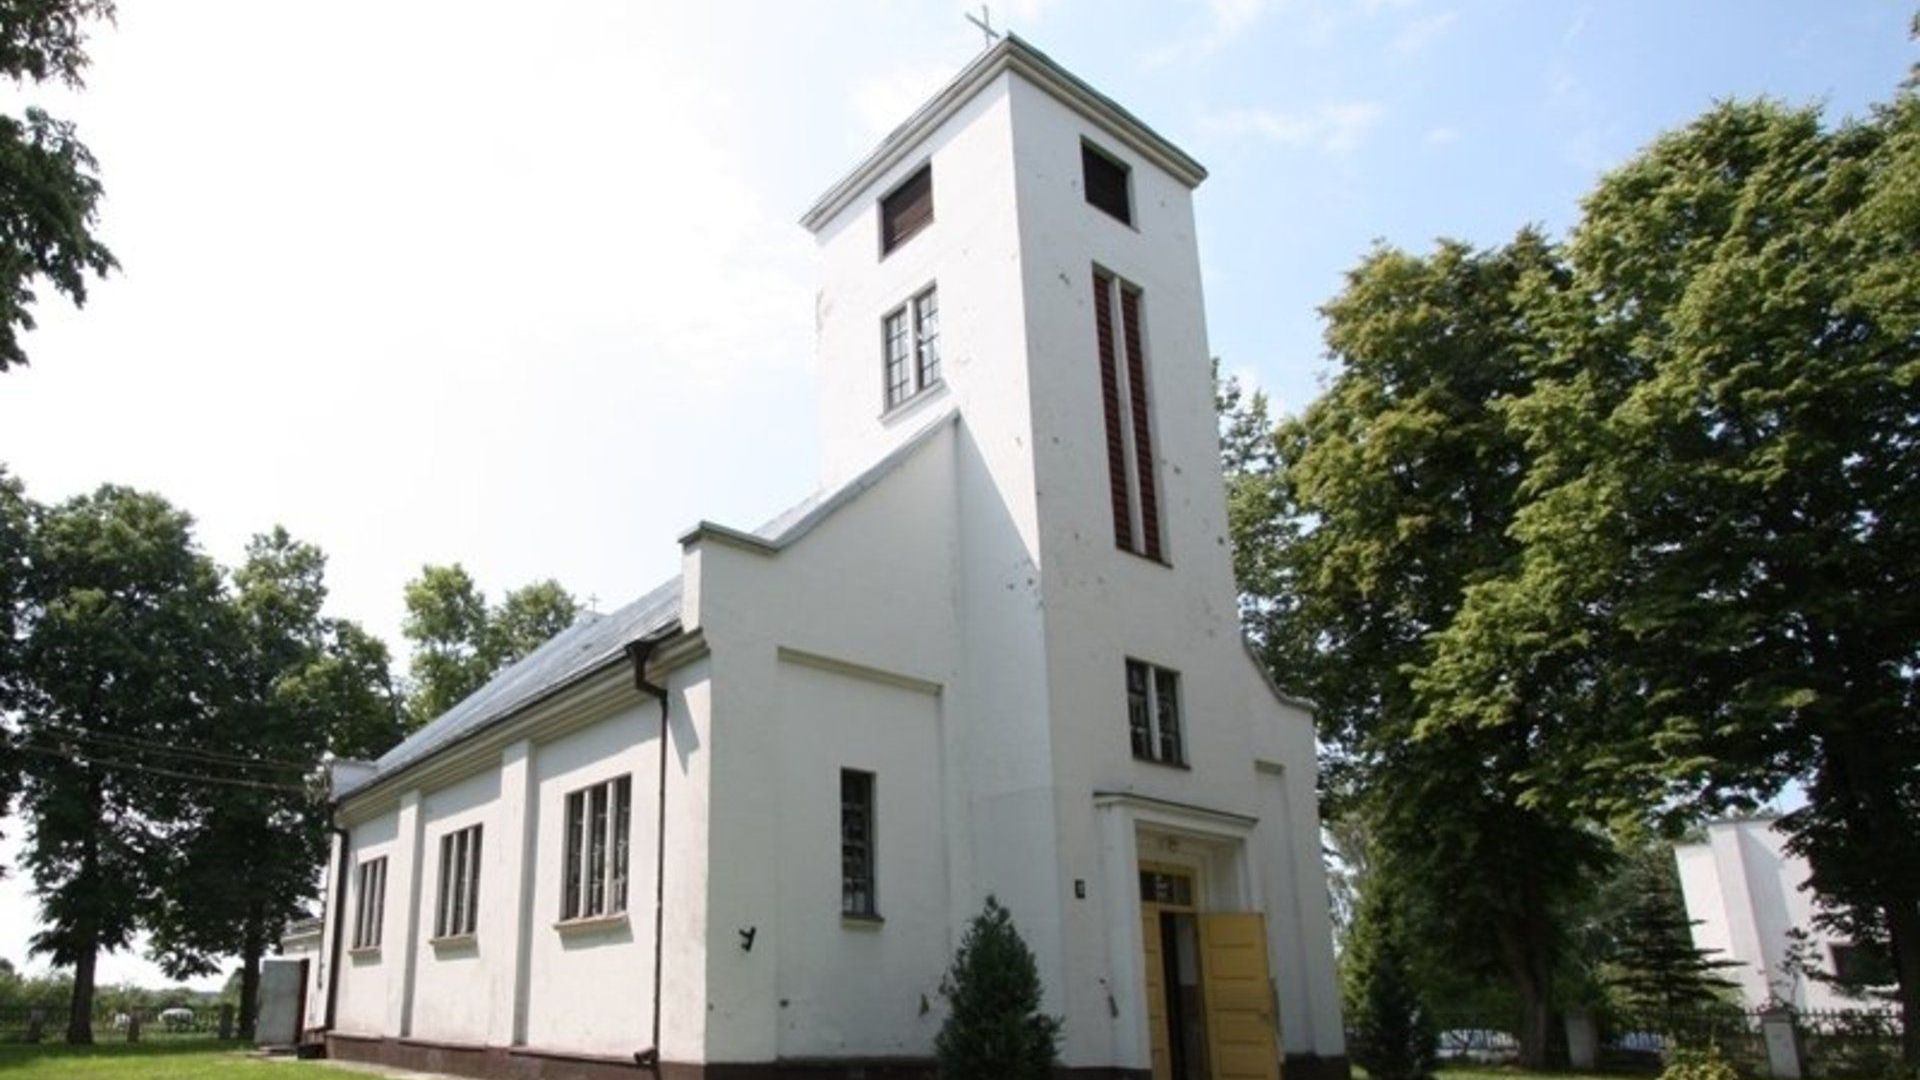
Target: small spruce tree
{"points": [[1393, 1034], [995, 1030]]}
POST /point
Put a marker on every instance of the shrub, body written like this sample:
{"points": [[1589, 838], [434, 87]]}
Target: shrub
{"points": [[1704, 1064], [995, 1030]]}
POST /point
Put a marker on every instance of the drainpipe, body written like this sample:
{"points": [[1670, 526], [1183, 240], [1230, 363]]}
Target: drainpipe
{"points": [[339, 927], [639, 652]]}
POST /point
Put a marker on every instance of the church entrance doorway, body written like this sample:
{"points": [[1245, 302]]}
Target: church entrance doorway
{"points": [[1209, 999]]}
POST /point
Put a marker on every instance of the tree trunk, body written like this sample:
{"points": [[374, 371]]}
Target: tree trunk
{"points": [[253, 943], [1903, 925], [80, 1015], [1531, 973]]}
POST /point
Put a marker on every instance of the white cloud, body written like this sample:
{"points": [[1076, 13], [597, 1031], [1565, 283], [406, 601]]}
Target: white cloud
{"points": [[1227, 21], [1335, 128], [1442, 136], [1414, 38]]}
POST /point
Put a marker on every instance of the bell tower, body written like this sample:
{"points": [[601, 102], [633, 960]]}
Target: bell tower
{"points": [[1019, 258]]}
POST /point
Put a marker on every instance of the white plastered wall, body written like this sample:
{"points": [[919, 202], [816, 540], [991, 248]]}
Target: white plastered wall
{"points": [[1104, 605], [446, 1007]]}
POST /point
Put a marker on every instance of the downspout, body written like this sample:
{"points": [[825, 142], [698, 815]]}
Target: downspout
{"points": [[639, 652], [339, 927]]}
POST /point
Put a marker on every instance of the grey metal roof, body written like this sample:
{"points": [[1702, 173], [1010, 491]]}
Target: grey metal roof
{"points": [[589, 643]]}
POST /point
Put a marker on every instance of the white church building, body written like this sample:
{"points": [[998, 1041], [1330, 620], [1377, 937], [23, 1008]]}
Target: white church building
{"points": [[737, 828]]}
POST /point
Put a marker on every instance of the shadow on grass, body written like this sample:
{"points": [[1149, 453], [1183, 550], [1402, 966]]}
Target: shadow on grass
{"points": [[17, 1056]]}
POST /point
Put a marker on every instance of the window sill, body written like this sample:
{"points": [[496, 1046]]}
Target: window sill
{"points": [[364, 952], [1163, 763], [910, 404], [454, 941], [1144, 557], [588, 924], [861, 922]]}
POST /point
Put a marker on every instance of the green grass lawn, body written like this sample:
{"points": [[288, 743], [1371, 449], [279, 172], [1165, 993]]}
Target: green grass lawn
{"points": [[180, 1059]]}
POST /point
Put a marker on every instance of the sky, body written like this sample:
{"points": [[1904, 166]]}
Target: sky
{"points": [[437, 282]]}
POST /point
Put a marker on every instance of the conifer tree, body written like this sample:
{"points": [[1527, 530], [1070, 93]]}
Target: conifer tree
{"points": [[996, 1030], [1393, 1033]]}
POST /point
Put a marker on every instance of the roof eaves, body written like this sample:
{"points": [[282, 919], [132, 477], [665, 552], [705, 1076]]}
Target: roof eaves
{"points": [[1285, 698], [518, 708], [1011, 54]]}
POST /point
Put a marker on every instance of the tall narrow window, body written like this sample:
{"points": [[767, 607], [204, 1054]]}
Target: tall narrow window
{"points": [[596, 853], [856, 844], [906, 209], [456, 913], [371, 908], [1133, 487], [1153, 713], [910, 343], [1105, 183]]}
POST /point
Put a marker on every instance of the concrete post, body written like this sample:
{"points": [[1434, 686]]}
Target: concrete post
{"points": [[226, 1021], [1583, 1041], [36, 1025], [509, 923], [1783, 1044], [133, 1026], [400, 951]]}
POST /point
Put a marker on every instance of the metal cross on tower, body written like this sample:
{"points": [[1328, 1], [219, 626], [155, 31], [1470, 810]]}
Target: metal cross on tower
{"points": [[985, 22]]}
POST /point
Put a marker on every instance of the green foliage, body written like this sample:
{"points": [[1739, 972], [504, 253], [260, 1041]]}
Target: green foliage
{"points": [[995, 1029], [298, 686], [167, 728], [117, 642], [1392, 1033], [1359, 536], [1707, 1064], [49, 190], [1621, 532], [459, 642], [1722, 503]]}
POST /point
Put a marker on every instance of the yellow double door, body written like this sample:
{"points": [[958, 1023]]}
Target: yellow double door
{"points": [[1235, 992]]}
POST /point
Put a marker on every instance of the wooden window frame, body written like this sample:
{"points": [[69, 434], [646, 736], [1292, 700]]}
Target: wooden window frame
{"points": [[892, 241], [370, 903], [1132, 466], [456, 905], [1156, 719], [915, 324], [1090, 153], [859, 888], [596, 860]]}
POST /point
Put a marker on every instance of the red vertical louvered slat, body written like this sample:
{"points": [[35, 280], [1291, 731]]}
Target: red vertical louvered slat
{"points": [[1142, 430], [1110, 400]]}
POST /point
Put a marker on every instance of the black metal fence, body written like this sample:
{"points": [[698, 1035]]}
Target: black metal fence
{"points": [[1849, 1044], [40, 1023]]}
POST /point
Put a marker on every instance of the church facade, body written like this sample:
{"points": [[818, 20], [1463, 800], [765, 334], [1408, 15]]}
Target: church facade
{"points": [[737, 828]]}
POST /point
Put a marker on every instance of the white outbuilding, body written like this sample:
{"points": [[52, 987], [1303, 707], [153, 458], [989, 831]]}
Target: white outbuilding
{"points": [[736, 828]]}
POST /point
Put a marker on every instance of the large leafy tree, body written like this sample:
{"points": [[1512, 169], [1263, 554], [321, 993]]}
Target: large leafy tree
{"points": [[118, 654], [1723, 502], [16, 521], [1385, 501], [297, 686], [459, 641], [49, 190]]}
